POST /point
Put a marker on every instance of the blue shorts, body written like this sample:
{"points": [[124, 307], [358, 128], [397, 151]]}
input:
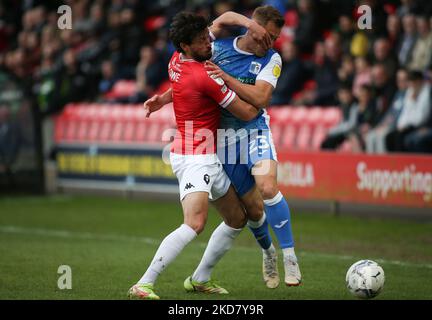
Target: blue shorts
{"points": [[238, 158]]}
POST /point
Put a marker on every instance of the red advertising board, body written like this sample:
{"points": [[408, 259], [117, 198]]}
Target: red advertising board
{"points": [[388, 179]]}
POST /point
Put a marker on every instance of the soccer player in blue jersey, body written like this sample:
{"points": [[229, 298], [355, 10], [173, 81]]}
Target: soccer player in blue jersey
{"points": [[251, 69]]}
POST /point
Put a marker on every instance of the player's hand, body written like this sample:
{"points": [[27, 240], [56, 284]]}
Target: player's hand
{"points": [[260, 35], [214, 70], [153, 104]]}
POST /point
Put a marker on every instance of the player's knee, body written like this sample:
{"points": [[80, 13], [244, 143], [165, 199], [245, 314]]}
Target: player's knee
{"points": [[197, 223], [237, 222], [268, 190], [198, 226], [255, 210]]}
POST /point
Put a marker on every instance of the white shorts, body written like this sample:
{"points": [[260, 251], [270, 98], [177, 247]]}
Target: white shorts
{"points": [[200, 173]]}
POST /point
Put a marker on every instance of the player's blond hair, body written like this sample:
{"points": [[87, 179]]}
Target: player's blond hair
{"points": [[265, 14]]}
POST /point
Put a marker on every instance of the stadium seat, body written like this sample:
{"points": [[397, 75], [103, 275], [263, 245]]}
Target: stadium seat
{"points": [[288, 137], [72, 122], [276, 130], [122, 88], [314, 116], [164, 86], [298, 115], [280, 114], [303, 138], [141, 126], [291, 18], [318, 136], [154, 23], [332, 116], [346, 147]]}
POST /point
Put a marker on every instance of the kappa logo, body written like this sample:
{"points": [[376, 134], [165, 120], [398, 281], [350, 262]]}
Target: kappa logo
{"points": [[189, 186], [207, 178]]}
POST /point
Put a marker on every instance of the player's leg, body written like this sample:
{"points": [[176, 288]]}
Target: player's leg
{"points": [[262, 163], [258, 224], [235, 164], [220, 242], [228, 204], [236, 167], [194, 194], [195, 207], [278, 216]]}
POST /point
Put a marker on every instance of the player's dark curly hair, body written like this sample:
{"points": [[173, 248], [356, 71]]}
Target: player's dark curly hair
{"points": [[185, 27]]}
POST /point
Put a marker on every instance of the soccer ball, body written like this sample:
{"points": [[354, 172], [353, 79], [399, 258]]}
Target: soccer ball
{"points": [[365, 279]]}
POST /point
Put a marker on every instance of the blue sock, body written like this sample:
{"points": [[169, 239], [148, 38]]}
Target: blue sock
{"points": [[261, 232], [278, 215]]}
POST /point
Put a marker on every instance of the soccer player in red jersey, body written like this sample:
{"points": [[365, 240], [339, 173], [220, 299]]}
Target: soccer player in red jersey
{"points": [[197, 99]]}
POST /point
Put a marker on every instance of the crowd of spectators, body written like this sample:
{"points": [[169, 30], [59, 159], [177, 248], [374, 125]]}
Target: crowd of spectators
{"points": [[380, 77]]}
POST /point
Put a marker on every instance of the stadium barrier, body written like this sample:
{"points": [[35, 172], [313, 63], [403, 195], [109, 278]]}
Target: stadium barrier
{"points": [[115, 147], [402, 180]]}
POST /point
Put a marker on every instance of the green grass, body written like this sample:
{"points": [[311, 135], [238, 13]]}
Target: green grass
{"points": [[110, 241]]}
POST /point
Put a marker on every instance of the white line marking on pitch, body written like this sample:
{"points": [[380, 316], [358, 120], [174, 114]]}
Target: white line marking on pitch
{"points": [[152, 241]]}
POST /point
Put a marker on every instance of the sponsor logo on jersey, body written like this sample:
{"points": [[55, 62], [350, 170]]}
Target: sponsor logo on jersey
{"points": [[222, 62], [255, 67], [246, 80], [277, 70], [224, 89], [218, 80], [207, 178]]}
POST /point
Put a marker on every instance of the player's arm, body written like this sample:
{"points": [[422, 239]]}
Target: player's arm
{"points": [[157, 102], [259, 94], [242, 110], [231, 18], [218, 91]]}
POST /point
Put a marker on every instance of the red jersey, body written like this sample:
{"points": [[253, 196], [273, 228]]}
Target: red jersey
{"points": [[196, 99]]}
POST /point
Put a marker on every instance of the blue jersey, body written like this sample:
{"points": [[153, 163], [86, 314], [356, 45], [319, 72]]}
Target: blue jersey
{"points": [[247, 68]]}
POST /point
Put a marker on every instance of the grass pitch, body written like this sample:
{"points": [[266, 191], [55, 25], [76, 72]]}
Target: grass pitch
{"points": [[109, 242]]}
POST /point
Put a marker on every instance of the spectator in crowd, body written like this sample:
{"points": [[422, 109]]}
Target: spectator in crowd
{"points": [[337, 135], [384, 89], [346, 31], [325, 76], [420, 140], [363, 74], [422, 51], [292, 75], [415, 113], [72, 84], [394, 32], [359, 44], [408, 39], [375, 139], [346, 72], [382, 54], [306, 32], [365, 119], [109, 77], [150, 72], [130, 41], [407, 7]]}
